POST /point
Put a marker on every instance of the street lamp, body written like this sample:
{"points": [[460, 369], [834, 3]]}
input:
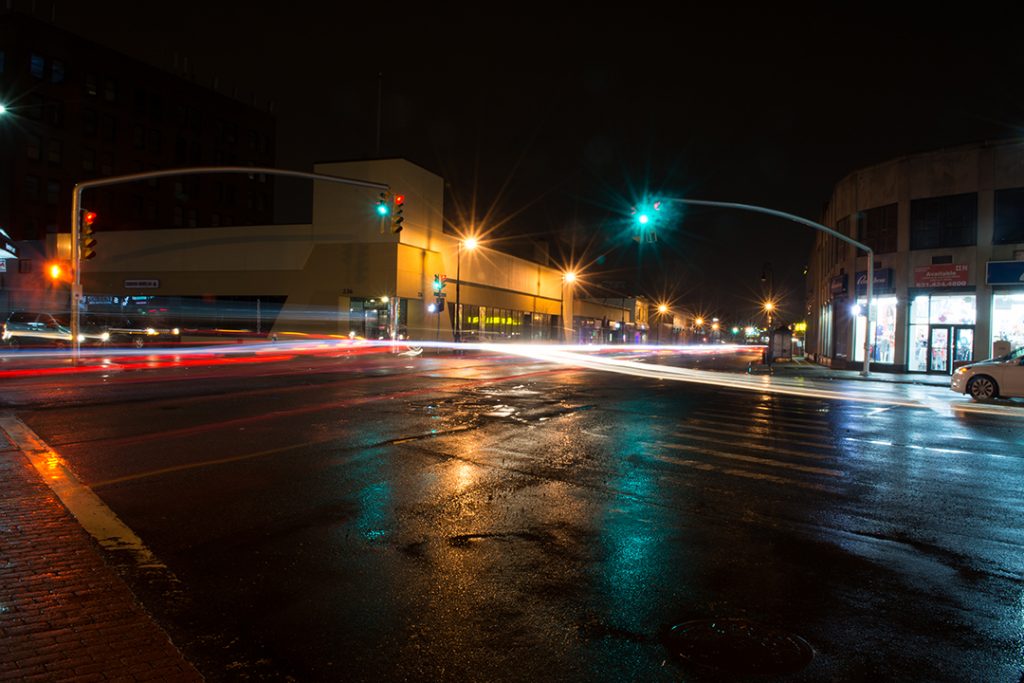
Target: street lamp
{"points": [[3, 110], [568, 278], [662, 310], [768, 308], [469, 243]]}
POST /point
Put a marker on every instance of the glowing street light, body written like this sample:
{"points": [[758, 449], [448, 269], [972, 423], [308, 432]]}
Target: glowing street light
{"points": [[662, 311], [3, 110], [469, 243], [568, 278]]}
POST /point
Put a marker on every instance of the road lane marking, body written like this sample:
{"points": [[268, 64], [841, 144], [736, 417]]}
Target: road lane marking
{"points": [[757, 446], [204, 463], [91, 512], [767, 419], [754, 459], [755, 428], [746, 474]]}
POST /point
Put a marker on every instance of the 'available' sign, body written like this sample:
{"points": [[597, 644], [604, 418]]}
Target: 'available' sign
{"points": [[941, 275]]}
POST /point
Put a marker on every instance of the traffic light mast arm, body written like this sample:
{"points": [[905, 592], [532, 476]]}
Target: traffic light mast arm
{"points": [[76, 206], [817, 226]]}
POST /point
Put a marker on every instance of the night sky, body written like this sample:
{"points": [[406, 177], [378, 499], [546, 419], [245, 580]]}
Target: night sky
{"points": [[556, 123]]}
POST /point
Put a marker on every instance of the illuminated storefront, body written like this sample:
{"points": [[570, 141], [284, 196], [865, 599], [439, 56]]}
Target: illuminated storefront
{"points": [[883, 323], [941, 334], [1008, 318]]}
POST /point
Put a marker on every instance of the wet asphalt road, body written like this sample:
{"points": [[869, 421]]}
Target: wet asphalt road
{"points": [[491, 519]]}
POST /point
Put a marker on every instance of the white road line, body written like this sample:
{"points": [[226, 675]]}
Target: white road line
{"points": [[754, 459], [91, 512]]}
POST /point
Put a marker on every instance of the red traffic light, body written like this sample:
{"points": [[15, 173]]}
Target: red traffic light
{"points": [[89, 217], [399, 199]]}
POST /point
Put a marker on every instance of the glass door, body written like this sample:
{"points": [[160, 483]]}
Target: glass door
{"points": [[938, 349], [963, 346]]}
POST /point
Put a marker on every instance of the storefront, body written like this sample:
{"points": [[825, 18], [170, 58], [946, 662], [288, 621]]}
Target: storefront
{"points": [[942, 317], [1007, 281], [883, 317]]}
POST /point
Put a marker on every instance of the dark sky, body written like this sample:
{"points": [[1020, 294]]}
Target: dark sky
{"points": [[556, 122]]}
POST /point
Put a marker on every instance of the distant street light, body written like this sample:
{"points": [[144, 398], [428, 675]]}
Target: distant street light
{"points": [[3, 110], [470, 243], [768, 308]]}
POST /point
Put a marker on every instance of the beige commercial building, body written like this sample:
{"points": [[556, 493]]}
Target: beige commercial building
{"points": [[346, 273], [947, 230]]}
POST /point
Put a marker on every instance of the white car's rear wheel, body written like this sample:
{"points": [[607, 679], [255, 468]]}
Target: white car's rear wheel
{"points": [[983, 386]]}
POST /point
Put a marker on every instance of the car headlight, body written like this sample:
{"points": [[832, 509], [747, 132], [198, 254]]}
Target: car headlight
{"points": [[961, 371], [151, 332], [175, 331], [105, 337]]}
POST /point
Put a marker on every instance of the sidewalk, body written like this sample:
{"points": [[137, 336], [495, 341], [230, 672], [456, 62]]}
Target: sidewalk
{"points": [[64, 614], [804, 368]]}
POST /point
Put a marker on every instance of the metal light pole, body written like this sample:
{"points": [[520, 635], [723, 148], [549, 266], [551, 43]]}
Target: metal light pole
{"points": [[76, 205], [471, 243], [568, 278], [817, 226]]}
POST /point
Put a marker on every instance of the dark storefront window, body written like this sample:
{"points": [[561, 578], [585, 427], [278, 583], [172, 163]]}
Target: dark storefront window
{"points": [[1009, 216], [940, 222], [877, 228]]}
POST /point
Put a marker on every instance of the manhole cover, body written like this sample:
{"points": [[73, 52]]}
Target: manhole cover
{"points": [[739, 646]]}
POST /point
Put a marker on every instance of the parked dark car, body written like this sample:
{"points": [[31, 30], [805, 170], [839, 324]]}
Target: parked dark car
{"points": [[35, 328]]}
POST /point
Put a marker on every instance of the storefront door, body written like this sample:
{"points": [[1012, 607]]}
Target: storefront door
{"points": [[949, 346]]}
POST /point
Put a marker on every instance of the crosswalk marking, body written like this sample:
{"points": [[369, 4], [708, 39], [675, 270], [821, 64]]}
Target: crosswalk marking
{"points": [[746, 474], [756, 446], [755, 460]]}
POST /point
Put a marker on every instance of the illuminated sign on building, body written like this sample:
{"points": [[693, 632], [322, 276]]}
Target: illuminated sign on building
{"points": [[941, 275]]}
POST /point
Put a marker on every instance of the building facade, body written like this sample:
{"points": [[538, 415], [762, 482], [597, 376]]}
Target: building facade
{"points": [[947, 231], [345, 274]]}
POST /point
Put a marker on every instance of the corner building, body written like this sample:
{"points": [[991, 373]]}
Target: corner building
{"points": [[947, 230]]}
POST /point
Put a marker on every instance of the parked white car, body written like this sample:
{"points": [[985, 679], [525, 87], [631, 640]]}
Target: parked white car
{"points": [[1001, 377]]}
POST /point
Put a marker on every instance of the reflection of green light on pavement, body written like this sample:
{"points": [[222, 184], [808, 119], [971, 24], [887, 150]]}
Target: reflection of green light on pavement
{"points": [[374, 517]]}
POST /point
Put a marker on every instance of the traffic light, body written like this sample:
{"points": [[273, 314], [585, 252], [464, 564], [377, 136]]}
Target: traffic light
{"points": [[382, 205], [396, 217], [439, 303], [646, 218], [85, 239], [437, 285]]}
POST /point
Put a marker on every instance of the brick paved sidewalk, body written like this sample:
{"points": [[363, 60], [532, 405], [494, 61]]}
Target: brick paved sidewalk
{"points": [[64, 614]]}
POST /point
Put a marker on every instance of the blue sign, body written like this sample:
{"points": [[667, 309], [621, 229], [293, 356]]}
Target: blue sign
{"points": [[1005, 273]]}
